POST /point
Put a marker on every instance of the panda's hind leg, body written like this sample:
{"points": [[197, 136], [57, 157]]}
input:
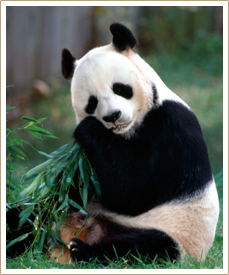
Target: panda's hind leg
{"points": [[120, 240]]}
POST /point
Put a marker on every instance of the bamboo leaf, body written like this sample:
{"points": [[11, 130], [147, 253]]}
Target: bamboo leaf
{"points": [[36, 121], [41, 120], [75, 147], [35, 134], [85, 194], [18, 239], [24, 141], [24, 214], [38, 169], [19, 151], [9, 108], [96, 186], [36, 129], [12, 153], [20, 157], [31, 188], [44, 190], [80, 184], [60, 150], [64, 203], [19, 141], [45, 154], [42, 240], [83, 170], [15, 183], [74, 204]]}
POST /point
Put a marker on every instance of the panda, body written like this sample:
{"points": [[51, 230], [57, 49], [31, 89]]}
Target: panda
{"points": [[158, 195]]}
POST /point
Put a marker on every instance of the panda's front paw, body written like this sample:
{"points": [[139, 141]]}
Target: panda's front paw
{"points": [[80, 251], [87, 132]]}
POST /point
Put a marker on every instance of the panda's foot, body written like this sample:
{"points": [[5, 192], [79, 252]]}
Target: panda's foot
{"points": [[80, 251]]}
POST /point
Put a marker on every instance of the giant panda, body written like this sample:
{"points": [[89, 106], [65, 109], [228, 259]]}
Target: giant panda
{"points": [[158, 195]]}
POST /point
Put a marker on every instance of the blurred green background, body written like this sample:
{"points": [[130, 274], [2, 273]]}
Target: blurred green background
{"points": [[184, 45]]}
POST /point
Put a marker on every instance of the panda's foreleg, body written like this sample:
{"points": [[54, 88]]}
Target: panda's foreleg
{"points": [[147, 242]]}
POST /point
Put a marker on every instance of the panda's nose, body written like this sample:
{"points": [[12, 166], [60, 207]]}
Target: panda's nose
{"points": [[112, 117]]}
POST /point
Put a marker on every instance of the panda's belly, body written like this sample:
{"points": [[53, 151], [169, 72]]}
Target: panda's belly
{"points": [[192, 223]]}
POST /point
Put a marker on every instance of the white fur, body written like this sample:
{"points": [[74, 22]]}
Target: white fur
{"points": [[95, 74], [191, 222]]}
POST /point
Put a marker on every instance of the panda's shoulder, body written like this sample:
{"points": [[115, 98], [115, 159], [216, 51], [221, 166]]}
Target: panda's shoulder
{"points": [[171, 115]]}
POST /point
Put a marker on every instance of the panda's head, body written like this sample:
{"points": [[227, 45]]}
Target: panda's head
{"points": [[108, 83]]}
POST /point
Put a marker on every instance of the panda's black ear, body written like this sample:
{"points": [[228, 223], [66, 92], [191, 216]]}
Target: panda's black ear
{"points": [[67, 64], [123, 38]]}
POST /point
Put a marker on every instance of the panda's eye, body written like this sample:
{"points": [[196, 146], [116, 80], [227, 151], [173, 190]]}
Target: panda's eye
{"points": [[123, 90], [91, 105]]}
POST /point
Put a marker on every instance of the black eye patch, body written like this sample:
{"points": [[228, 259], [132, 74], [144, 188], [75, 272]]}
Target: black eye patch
{"points": [[123, 90], [92, 104]]}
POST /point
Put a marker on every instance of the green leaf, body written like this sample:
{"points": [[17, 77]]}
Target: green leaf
{"points": [[19, 141], [45, 154], [25, 213], [74, 204], [18, 239], [9, 108], [19, 151], [95, 185], [83, 169], [20, 157], [64, 203], [80, 186], [15, 183], [33, 119], [42, 240], [37, 129], [60, 150], [75, 147], [38, 169], [44, 190], [85, 194], [35, 134], [26, 142], [12, 153], [39, 120], [31, 188]]}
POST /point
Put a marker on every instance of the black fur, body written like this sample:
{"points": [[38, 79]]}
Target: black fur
{"points": [[166, 159], [123, 90], [92, 104], [123, 38], [67, 64], [146, 242], [155, 95], [120, 240]]}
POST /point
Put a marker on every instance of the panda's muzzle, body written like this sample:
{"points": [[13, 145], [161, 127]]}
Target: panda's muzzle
{"points": [[113, 117], [118, 127]]}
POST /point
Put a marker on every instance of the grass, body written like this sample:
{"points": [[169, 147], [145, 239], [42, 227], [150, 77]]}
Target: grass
{"points": [[214, 259], [197, 83]]}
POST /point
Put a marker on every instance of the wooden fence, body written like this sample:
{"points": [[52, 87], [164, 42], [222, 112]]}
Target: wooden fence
{"points": [[36, 37]]}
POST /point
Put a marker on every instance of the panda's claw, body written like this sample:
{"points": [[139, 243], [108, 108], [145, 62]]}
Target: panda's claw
{"points": [[80, 251]]}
